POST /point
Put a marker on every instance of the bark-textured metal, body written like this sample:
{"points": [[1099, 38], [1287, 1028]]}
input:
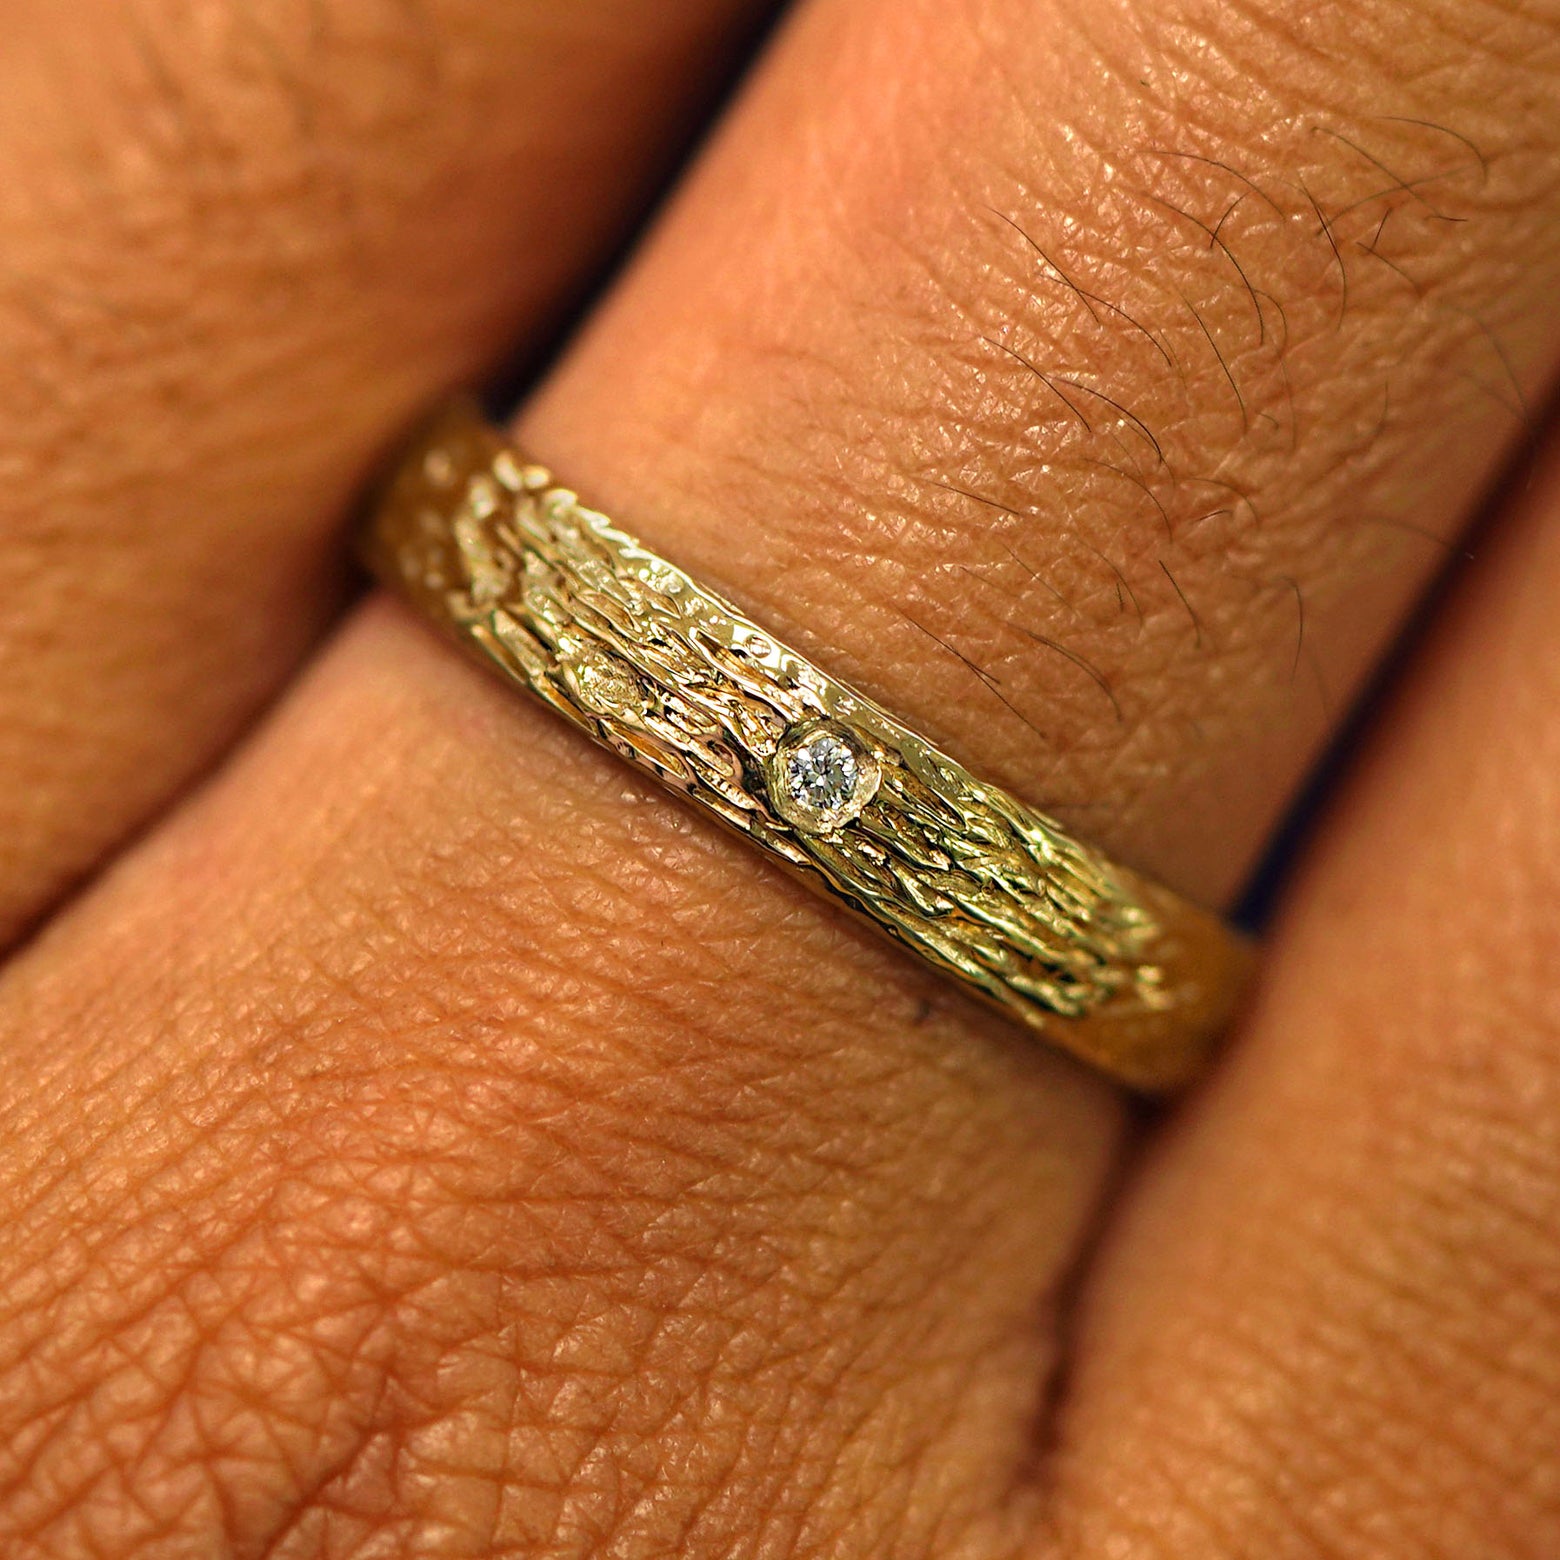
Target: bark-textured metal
{"points": [[673, 678]]}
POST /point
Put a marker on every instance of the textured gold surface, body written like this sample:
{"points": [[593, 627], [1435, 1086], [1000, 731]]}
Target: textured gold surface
{"points": [[678, 682]]}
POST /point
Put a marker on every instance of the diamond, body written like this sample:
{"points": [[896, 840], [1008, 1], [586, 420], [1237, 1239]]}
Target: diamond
{"points": [[823, 773], [822, 776]]}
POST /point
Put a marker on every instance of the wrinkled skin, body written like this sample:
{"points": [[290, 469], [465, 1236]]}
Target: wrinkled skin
{"points": [[423, 1138]]}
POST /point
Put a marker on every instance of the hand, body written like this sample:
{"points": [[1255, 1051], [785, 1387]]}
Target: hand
{"points": [[426, 1139]]}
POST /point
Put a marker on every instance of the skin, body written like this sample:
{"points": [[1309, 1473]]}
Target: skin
{"points": [[431, 1140], [264, 242]]}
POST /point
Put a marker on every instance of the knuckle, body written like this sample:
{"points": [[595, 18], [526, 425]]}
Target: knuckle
{"points": [[487, 1232], [505, 1217], [351, 1342]]}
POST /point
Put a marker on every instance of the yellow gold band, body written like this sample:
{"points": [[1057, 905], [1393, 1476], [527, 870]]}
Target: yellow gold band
{"points": [[1098, 960]]}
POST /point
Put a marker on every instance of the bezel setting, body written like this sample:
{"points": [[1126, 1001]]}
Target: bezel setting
{"points": [[822, 775]]}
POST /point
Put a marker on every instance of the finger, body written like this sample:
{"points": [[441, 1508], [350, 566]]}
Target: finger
{"points": [[237, 255], [1330, 1321], [563, 1179], [979, 385], [460, 1148]]}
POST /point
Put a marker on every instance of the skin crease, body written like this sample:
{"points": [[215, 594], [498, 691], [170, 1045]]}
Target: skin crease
{"points": [[432, 1142], [247, 251]]}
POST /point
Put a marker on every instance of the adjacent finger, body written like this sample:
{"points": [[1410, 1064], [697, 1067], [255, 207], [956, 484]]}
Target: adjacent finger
{"points": [[239, 251], [1329, 1322]]}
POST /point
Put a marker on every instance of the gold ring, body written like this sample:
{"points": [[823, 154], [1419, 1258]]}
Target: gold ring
{"points": [[670, 676]]}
